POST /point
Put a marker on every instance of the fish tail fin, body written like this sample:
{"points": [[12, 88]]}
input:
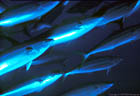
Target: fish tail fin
{"points": [[83, 55]]}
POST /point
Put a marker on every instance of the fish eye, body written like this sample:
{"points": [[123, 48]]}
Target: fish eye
{"points": [[29, 48]]}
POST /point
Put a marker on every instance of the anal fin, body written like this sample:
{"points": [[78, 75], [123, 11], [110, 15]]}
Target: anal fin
{"points": [[28, 65]]}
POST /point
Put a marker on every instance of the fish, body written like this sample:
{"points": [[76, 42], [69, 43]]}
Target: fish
{"points": [[35, 85], [91, 90], [22, 14], [73, 28], [97, 64], [22, 54], [46, 22], [26, 12], [112, 42], [116, 14]]}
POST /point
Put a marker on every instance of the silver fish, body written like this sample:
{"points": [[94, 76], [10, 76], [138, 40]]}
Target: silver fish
{"points": [[129, 35], [117, 13], [99, 64], [72, 29], [36, 85], [22, 54], [25, 12], [90, 90]]}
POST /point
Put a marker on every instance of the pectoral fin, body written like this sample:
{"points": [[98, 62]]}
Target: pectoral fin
{"points": [[28, 65]]}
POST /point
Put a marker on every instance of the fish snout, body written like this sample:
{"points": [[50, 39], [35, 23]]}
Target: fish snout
{"points": [[104, 86], [107, 86]]}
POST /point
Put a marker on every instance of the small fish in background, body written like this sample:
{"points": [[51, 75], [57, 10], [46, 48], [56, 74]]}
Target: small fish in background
{"points": [[89, 90], [97, 64], [115, 14], [82, 6], [35, 85], [129, 35], [72, 28], [46, 22], [22, 54]]}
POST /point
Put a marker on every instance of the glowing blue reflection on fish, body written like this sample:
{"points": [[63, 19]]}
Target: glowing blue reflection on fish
{"points": [[116, 41], [63, 36], [118, 12], [110, 47], [2, 9], [137, 6], [73, 30], [34, 86], [12, 20], [21, 55], [66, 3], [3, 66], [91, 90], [104, 63], [26, 13]]}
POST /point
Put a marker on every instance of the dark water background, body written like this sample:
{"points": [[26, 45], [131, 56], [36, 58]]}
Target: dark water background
{"points": [[126, 75]]}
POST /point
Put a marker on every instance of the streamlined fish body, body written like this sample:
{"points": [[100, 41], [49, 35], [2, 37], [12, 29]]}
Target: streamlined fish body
{"points": [[99, 64], [90, 90], [113, 42], [21, 55], [36, 85], [26, 12], [116, 13], [72, 30]]}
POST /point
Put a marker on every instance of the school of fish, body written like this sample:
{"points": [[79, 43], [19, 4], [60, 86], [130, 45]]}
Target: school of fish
{"points": [[27, 53]]}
